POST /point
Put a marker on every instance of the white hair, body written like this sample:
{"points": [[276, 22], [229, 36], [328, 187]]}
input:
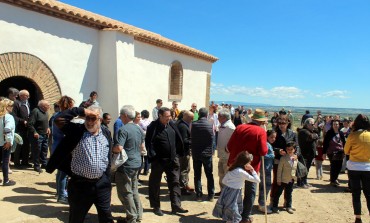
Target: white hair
{"points": [[128, 110], [96, 109]]}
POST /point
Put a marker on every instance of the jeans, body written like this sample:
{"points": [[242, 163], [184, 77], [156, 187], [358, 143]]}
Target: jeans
{"points": [[261, 196], [5, 167], [184, 170], [318, 164], [208, 169], [128, 193], [39, 150], [22, 152], [288, 194], [249, 197], [61, 181], [308, 162], [358, 178]]}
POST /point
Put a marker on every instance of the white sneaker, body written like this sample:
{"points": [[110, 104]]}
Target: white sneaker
{"points": [[262, 209]]}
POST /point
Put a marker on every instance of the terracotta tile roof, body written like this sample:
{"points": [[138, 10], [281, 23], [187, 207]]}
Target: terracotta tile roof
{"points": [[73, 14]]}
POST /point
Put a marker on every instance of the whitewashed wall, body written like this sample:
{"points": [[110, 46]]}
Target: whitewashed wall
{"points": [[70, 50]]}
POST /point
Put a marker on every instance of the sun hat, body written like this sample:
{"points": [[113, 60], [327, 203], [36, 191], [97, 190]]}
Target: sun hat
{"points": [[259, 115]]}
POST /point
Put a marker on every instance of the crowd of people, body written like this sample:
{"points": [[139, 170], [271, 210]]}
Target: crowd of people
{"points": [[251, 149]]}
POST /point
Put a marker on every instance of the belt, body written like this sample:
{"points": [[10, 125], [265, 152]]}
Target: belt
{"points": [[84, 179]]}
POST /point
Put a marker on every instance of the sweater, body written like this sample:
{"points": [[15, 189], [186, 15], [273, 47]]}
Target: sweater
{"points": [[235, 178]]}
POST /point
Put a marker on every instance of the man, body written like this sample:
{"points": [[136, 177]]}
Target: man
{"points": [[250, 137], [116, 126], [175, 109], [91, 101], [39, 131], [131, 139], [13, 93], [184, 129], [164, 145], [226, 130], [106, 119], [249, 115], [21, 113], [307, 143], [201, 147], [306, 116], [194, 110], [84, 154], [159, 103]]}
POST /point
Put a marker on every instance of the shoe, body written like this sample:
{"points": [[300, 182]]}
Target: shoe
{"points": [[337, 182], [9, 183], [211, 198], [38, 169], [63, 200], [185, 192], [333, 184], [43, 167], [290, 210], [262, 209], [198, 198], [218, 194], [308, 185], [139, 184], [157, 211], [347, 190], [304, 186], [179, 210], [189, 188], [27, 165], [249, 220], [275, 210], [358, 220]]}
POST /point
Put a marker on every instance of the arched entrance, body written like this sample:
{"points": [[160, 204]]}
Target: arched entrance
{"points": [[25, 71]]}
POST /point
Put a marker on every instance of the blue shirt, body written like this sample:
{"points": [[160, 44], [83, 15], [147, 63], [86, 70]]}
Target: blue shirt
{"points": [[269, 157], [90, 157], [117, 125]]}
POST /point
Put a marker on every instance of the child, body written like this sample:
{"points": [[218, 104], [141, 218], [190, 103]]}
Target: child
{"points": [[269, 162], [285, 178], [229, 205], [319, 160]]}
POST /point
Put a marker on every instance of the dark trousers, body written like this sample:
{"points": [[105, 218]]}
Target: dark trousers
{"points": [[184, 170], [308, 161], [359, 179], [250, 189], [288, 194], [5, 166], [172, 170], [335, 168], [83, 193], [22, 152], [208, 169], [39, 150]]}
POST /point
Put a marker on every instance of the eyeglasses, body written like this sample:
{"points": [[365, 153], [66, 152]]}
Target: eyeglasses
{"points": [[282, 123], [193, 106], [91, 118]]}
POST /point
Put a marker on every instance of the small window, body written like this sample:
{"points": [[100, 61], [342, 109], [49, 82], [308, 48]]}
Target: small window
{"points": [[176, 77]]}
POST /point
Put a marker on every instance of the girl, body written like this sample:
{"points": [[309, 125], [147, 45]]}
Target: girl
{"points": [[285, 178], [229, 205], [319, 160], [269, 162]]}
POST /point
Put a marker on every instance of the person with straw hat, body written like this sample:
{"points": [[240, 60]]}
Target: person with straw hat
{"points": [[7, 127], [252, 138]]}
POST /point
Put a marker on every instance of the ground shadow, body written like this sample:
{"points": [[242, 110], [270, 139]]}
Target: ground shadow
{"points": [[24, 199], [320, 188], [46, 211], [50, 184], [30, 190], [196, 218]]}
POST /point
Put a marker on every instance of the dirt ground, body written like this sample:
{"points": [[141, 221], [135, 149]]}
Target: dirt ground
{"points": [[33, 200]]}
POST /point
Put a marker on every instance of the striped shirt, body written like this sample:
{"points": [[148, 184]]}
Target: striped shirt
{"points": [[90, 157]]}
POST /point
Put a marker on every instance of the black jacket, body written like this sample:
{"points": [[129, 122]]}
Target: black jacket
{"points": [[328, 137], [185, 135], [151, 132], [307, 142], [202, 138], [62, 156], [20, 114]]}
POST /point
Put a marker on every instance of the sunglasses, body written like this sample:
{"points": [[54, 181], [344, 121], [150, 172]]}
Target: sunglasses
{"points": [[282, 123], [91, 118]]}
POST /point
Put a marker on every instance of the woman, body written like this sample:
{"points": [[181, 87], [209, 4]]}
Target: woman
{"points": [[334, 142], [64, 103], [144, 122], [7, 127], [238, 119], [274, 123], [283, 136], [358, 165]]}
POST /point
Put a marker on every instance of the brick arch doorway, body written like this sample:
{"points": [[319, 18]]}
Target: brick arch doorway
{"points": [[26, 71]]}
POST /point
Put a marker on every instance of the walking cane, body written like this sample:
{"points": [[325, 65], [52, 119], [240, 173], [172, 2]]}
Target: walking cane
{"points": [[264, 186]]}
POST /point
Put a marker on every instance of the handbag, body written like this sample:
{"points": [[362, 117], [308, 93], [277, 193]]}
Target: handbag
{"points": [[338, 155], [118, 159], [301, 170]]}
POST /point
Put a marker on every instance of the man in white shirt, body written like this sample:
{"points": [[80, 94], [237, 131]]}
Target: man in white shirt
{"points": [[156, 108]]}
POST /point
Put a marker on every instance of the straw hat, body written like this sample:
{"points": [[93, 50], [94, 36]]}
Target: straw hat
{"points": [[259, 115]]}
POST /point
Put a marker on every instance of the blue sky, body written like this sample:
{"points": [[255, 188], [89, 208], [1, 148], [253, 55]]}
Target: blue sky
{"points": [[312, 53]]}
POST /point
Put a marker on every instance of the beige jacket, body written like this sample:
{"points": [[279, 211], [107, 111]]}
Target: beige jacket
{"points": [[286, 171]]}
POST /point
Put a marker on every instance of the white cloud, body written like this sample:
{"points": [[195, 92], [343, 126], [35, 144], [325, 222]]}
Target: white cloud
{"points": [[275, 92], [333, 94]]}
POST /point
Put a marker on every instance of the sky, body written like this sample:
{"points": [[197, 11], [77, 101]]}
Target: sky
{"points": [[306, 53]]}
